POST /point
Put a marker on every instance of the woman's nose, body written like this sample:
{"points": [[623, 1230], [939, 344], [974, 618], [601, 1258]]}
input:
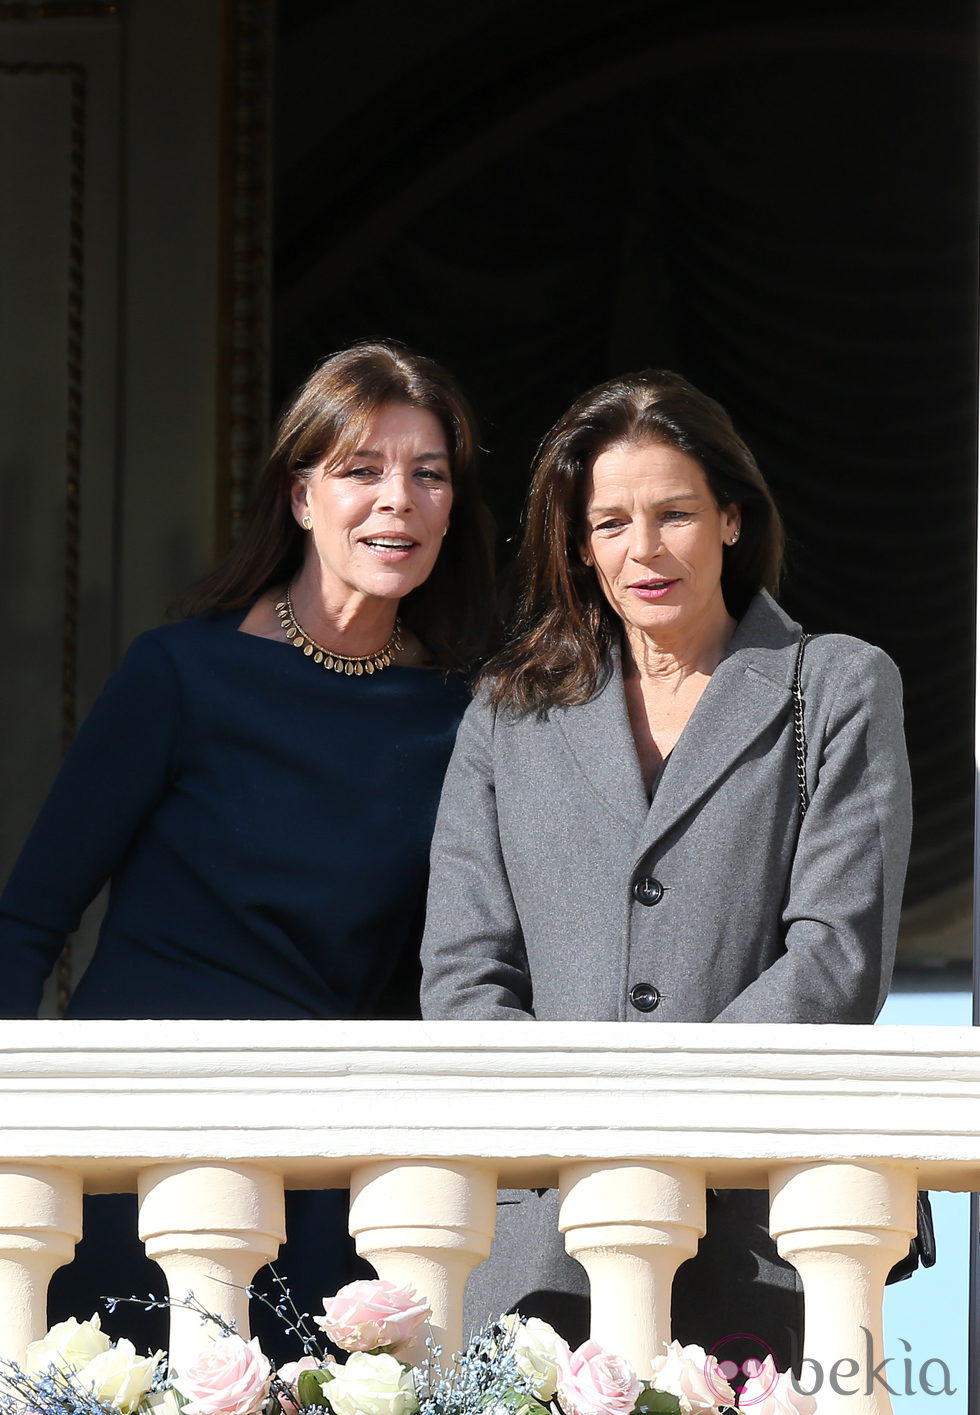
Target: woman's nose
{"points": [[395, 493], [647, 542]]}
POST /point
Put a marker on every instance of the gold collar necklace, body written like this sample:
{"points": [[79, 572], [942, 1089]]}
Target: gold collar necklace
{"points": [[339, 662]]}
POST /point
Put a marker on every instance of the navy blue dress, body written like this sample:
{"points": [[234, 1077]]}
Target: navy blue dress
{"points": [[265, 825]]}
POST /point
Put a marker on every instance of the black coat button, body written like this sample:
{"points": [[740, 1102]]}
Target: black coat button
{"points": [[648, 890], [645, 997]]}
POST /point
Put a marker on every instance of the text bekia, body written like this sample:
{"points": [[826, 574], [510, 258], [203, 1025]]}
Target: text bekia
{"points": [[895, 1374]]}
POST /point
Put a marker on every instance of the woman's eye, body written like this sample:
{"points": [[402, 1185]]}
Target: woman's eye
{"points": [[676, 515], [431, 474], [607, 526], [360, 473]]}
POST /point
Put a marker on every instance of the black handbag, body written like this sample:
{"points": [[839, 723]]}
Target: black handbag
{"points": [[922, 1249]]}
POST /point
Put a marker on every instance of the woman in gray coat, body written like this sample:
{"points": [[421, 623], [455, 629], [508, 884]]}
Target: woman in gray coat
{"points": [[623, 832]]}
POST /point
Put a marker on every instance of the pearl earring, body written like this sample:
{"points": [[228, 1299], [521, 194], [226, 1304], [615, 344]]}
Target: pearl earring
{"points": [[308, 522], [735, 535]]}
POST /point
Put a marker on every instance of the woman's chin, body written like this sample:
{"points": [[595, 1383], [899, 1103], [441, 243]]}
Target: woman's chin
{"points": [[390, 582], [393, 586], [650, 619]]}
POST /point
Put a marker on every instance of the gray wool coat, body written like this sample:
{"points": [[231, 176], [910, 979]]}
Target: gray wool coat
{"points": [[560, 890]]}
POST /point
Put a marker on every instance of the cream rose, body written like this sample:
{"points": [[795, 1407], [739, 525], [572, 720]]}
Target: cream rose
{"points": [[693, 1376], [771, 1393], [369, 1384], [537, 1350], [230, 1377], [68, 1346], [118, 1376]]}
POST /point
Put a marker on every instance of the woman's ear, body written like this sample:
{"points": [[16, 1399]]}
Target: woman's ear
{"points": [[733, 523], [299, 502]]}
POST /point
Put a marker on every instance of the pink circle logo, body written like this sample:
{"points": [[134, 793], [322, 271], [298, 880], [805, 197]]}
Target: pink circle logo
{"points": [[737, 1372]]}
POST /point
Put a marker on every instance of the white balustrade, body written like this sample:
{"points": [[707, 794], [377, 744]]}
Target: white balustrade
{"points": [[631, 1226], [210, 1227], [40, 1223], [208, 1121], [844, 1226], [427, 1225]]}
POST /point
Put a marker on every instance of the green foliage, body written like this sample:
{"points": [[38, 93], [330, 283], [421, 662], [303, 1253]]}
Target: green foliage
{"points": [[517, 1401], [310, 1387], [656, 1402]]}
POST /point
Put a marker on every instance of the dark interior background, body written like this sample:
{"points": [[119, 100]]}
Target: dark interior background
{"points": [[777, 201]]}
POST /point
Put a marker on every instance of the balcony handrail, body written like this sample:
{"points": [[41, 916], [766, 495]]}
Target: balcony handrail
{"points": [[317, 1099], [207, 1120]]}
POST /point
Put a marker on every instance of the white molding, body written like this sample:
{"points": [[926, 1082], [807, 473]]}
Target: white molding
{"points": [[312, 1099]]}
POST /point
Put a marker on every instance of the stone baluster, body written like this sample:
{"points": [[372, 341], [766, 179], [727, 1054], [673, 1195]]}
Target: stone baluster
{"points": [[843, 1226], [631, 1224], [210, 1227], [426, 1223], [40, 1223]]}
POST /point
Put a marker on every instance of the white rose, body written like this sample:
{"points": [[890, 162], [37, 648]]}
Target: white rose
{"points": [[372, 1385], [693, 1376], [769, 1393], [68, 1345], [119, 1376], [537, 1348]]}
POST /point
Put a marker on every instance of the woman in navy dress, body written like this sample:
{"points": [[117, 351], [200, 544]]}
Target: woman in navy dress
{"points": [[259, 781]]}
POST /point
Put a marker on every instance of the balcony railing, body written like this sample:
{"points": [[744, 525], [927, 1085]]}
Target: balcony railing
{"points": [[208, 1121]]}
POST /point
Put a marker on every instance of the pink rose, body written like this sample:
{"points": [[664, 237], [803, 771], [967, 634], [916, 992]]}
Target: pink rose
{"points": [[289, 1375], [592, 1382], [771, 1393], [693, 1376], [372, 1313], [231, 1377]]}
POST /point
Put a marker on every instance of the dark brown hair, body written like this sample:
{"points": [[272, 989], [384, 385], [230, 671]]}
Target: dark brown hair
{"points": [[564, 626], [452, 611]]}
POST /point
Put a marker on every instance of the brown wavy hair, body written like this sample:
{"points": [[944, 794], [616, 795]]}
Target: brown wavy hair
{"points": [[452, 611], [564, 627]]}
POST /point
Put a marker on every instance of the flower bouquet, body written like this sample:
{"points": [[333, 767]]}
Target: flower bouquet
{"points": [[514, 1366]]}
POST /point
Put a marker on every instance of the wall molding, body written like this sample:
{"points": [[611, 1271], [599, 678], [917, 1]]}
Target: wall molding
{"points": [[60, 10], [243, 374]]}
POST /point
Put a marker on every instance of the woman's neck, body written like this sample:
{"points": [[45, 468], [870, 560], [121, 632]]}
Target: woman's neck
{"points": [[352, 624], [670, 659]]}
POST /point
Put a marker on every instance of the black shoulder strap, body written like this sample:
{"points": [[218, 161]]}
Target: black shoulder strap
{"points": [[799, 727]]}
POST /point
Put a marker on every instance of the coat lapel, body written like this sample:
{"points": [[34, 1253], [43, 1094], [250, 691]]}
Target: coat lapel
{"points": [[599, 736], [749, 690]]}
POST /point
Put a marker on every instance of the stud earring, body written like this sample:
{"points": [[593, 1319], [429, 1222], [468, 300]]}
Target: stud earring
{"points": [[308, 522], [735, 535]]}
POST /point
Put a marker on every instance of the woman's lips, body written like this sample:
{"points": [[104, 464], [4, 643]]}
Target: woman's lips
{"points": [[652, 589], [390, 549]]}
